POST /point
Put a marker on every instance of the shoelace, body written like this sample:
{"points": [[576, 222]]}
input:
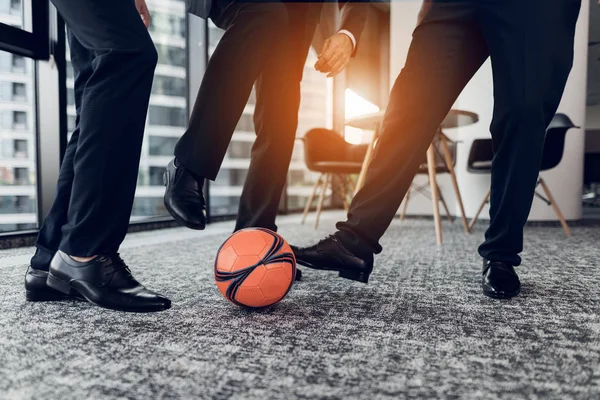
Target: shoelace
{"points": [[116, 264]]}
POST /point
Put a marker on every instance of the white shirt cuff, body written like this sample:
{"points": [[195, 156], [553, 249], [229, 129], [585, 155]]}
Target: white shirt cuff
{"points": [[350, 35]]}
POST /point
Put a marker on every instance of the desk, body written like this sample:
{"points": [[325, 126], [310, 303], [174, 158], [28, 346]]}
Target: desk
{"points": [[454, 119]]}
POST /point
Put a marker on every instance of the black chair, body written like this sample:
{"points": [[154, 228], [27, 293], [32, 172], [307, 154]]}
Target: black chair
{"points": [[482, 154], [327, 152]]}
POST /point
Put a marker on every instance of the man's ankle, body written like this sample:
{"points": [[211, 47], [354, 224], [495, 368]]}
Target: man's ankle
{"points": [[83, 259]]}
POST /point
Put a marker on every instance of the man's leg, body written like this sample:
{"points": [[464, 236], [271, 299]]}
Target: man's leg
{"points": [[446, 51], [276, 122], [50, 233], [105, 164], [253, 31], [531, 47]]}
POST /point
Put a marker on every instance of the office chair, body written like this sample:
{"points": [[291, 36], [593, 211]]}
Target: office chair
{"points": [[482, 154], [327, 152]]}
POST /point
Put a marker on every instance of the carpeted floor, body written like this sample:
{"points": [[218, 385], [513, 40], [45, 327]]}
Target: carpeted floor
{"points": [[420, 330]]}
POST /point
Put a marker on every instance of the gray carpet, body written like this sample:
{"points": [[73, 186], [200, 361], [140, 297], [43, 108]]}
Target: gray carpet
{"points": [[419, 330]]}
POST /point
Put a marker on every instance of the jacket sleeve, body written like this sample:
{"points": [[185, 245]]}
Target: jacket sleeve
{"points": [[354, 17]]}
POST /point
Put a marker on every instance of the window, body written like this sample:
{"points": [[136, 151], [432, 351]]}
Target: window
{"points": [[170, 55], [70, 97], [167, 116], [156, 176], [19, 64], [169, 86], [19, 92], [19, 120], [239, 149], [21, 176], [167, 24], [246, 123], [20, 148], [162, 146], [167, 113]]}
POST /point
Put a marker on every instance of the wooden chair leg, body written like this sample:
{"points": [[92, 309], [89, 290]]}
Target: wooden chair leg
{"points": [[321, 197], [363, 171], [344, 189], [450, 165], [351, 185], [434, 194], [405, 206], [485, 200], [311, 198], [450, 218], [559, 214]]}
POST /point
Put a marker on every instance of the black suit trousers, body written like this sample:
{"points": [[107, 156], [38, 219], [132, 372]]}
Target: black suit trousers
{"points": [[264, 44], [113, 59], [530, 44]]}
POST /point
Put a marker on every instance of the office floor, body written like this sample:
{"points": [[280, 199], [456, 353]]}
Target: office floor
{"points": [[419, 330]]}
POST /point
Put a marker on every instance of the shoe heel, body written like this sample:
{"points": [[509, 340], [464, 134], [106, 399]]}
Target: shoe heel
{"points": [[59, 285], [44, 295], [355, 276]]}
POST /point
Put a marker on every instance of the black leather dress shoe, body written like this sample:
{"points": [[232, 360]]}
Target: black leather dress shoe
{"points": [[500, 280], [330, 255], [183, 197], [104, 281], [36, 288]]}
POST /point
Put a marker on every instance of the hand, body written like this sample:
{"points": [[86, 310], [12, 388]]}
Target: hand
{"points": [[144, 12], [335, 55]]}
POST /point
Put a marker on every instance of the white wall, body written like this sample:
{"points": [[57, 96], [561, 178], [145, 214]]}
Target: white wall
{"points": [[565, 180]]}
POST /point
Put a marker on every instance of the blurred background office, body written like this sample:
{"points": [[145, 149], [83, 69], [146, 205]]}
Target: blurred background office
{"points": [[185, 43]]}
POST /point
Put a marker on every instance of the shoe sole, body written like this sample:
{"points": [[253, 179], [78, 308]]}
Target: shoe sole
{"points": [[47, 295], [177, 219], [502, 296], [362, 277], [66, 288]]}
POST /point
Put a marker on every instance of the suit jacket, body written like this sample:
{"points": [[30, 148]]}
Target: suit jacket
{"points": [[333, 15]]}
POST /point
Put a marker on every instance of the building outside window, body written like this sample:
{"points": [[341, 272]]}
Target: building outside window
{"points": [[17, 133]]}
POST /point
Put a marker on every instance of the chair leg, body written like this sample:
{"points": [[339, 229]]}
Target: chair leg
{"points": [[434, 194], [450, 218], [344, 189], [450, 166], [350, 186], [559, 214], [485, 200], [311, 198], [405, 206], [321, 197]]}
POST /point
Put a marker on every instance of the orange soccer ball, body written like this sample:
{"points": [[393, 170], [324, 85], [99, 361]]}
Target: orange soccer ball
{"points": [[255, 267]]}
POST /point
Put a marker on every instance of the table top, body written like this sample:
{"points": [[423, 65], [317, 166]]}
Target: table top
{"points": [[454, 119]]}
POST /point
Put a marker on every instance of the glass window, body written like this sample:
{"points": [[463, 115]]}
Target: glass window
{"points": [[70, 97], [17, 156], [168, 24], [19, 91], [161, 146], [167, 113], [169, 86], [167, 116], [170, 55]]}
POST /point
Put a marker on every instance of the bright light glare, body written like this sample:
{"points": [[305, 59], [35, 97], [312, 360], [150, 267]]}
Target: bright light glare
{"points": [[353, 135], [356, 106]]}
